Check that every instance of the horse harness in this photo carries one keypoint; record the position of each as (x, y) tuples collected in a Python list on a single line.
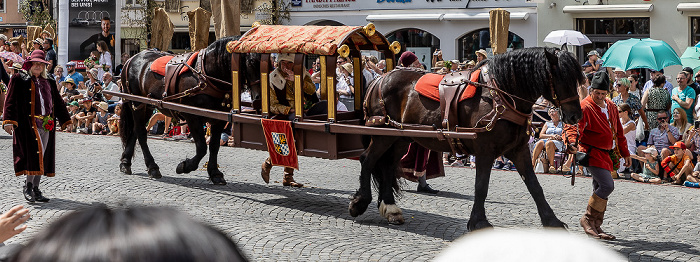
[(451, 88)]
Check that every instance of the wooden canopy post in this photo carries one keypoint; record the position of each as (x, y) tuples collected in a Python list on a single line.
[(299, 86), (264, 82), (330, 86), (357, 75), (324, 94), (235, 88)]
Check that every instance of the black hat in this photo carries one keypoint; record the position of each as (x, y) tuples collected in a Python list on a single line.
[(688, 69), (601, 81)]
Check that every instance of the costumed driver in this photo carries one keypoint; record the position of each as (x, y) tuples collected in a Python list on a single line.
[(281, 102), (598, 131), (32, 106)]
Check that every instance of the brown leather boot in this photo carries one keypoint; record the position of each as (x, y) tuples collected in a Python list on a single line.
[(288, 179), (588, 222), (265, 170), (600, 205)]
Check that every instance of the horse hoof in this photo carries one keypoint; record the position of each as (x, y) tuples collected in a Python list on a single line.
[(555, 223), (481, 224), (218, 180), (392, 213), (154, 173), (124, 168), (358, 206), (395, 219), (180, 168)]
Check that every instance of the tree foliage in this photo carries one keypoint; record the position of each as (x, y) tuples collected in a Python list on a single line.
[(37, 13)]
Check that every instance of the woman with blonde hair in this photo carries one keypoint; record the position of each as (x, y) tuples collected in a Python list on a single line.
[(105, 60), (681, 122)]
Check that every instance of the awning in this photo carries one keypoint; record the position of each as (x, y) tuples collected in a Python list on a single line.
[(406, 17), (688, 7), (482, 16), (631, 8), (13, 25)]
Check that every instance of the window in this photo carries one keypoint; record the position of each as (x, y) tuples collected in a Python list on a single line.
[(2, 6), (181, 41), (468, 44), (694, 30), (420, 42), (172, 6), (604, 32)]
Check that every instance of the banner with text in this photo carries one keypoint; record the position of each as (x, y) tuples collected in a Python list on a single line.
[(91, 21)]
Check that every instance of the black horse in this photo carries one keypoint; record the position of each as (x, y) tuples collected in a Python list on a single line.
[(526, 73), (140, 80)]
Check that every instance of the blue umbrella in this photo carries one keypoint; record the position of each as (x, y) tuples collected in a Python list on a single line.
[(640, 53), (698, 44)]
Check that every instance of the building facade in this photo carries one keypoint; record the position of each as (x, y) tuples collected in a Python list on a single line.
[(457, 27), (674, 21), (11, 22)]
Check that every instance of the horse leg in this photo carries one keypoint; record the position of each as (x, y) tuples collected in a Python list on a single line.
[(215, 175), (520, 158), (197, 132), (128, 136), (368, 160), (127, 155), (388, 184), (477, 219), (142, 135)]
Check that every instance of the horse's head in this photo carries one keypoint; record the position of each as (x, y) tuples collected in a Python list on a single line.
[(218, 64), (566, 77), (537, 71)]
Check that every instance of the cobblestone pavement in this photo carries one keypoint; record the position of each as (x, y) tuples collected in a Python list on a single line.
[(276, 223)]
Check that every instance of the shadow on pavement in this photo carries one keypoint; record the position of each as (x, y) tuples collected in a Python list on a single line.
[(320, 201), (61, 204), (632, 248)]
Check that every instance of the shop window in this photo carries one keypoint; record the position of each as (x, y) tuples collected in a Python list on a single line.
[(181, 41), (694, 30), (603, 32), (2, 6), (471, 42), (420, 42)]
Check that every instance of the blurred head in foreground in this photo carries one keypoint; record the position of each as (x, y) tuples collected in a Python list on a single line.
[(502, 245), (101, 233)]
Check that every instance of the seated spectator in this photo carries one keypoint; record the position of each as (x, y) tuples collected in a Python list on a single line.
[(84, 118), (681, 122), (73, 109), (94, 86), (68, 90), (134, 234), (650, 174), (113, 121), (629, 128), (692, 141), (99, 125), (58, 74), (110, 86), (550, 140), (661, 136), (158, 116), (677, 166)]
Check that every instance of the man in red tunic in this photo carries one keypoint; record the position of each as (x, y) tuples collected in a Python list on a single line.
[(599, 133)]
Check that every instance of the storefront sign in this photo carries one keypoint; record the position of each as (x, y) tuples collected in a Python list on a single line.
[(339, 5), (91, 21)]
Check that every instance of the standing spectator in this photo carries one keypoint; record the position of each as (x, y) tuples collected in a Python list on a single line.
[(437, 57), (316, 75), (629, 129), (635, 87), (37, 44), (34, 157), (625, 97), (481, 55), (691, 81), (600, 130), (105, 60), (683, 97), (679, 165), (50, 55), (619, 73), (654, 75), (77, 77), (594, 63), (346, 84), (655, 100), (118, 69), (661, 136)]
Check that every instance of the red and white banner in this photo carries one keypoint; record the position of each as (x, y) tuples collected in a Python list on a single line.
[(280, 143)]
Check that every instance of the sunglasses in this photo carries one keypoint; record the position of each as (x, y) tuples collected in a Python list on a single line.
[(661, 119)]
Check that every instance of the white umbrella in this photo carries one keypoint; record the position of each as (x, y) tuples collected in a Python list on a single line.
[(568, 37)]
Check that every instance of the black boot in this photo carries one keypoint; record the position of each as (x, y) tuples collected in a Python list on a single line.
[(29, 192), (38, 196), (427, 189)]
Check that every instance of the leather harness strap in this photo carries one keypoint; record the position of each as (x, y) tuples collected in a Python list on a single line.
[(204, 86)]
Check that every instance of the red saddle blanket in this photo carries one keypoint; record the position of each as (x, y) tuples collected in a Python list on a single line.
[(158, 66), (427, 86)]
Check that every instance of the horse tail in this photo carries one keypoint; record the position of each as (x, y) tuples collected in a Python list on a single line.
[(126, 123)]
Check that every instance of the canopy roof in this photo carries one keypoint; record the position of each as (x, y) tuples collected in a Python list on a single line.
[(317, 40)]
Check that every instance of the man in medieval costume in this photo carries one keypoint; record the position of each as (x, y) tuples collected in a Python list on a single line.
[(598, 131), (281, 105), (32, 107)]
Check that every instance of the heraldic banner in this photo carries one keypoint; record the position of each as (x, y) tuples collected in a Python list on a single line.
[(280, 143)]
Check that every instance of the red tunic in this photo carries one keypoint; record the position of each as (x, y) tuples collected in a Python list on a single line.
[(594, 130)]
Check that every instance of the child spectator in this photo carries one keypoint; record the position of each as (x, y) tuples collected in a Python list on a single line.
[(73, 110), (678, 166), (113, 121), (85, 116), (68, 90), (650, 174), (99, 126)]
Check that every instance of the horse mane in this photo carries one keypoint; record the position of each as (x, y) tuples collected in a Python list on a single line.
[(529, 72)]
